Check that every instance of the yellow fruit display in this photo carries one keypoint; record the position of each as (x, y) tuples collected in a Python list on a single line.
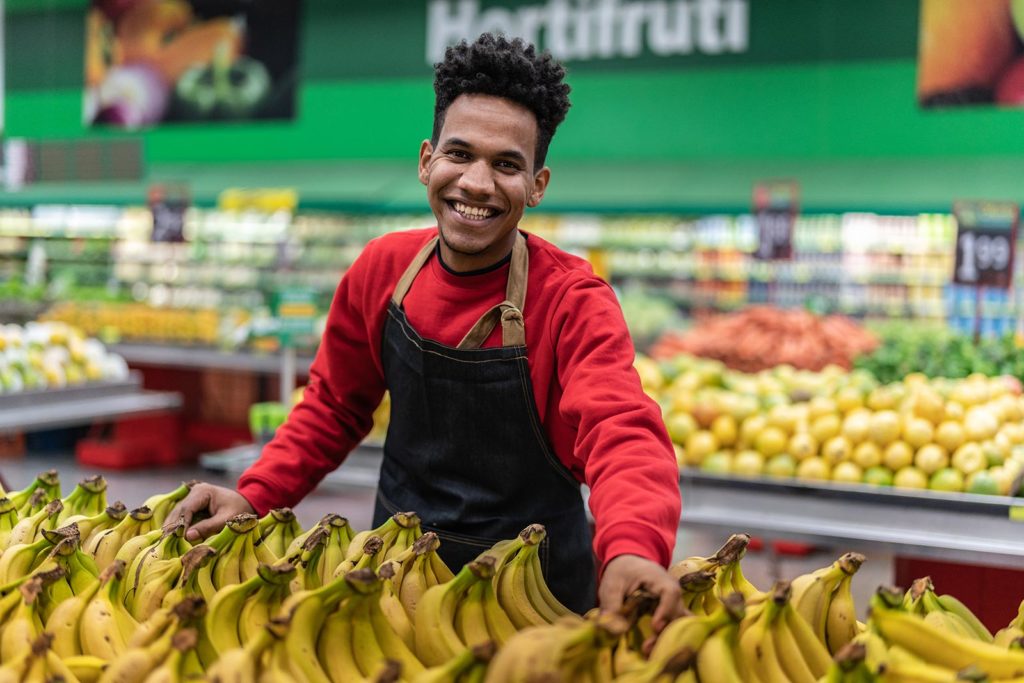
[(725, 430), (897, 455), (802, 446), (866, 455), (917, 432), (813, 468), (771, 441), (885, 427), (950, 435), (837, 449), (847, 473), (931, 458), (910, 478), (857, 426), (699, 445)]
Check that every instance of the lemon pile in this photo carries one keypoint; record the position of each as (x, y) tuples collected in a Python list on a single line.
[(941, 434)]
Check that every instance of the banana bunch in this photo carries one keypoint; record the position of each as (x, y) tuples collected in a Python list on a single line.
[(90, 525), (37, 663), (568, 650), (23, 608), (368, 558), (913, 642), (357, 641), (944, 611), (165, 654), (397, 534), (706, 580), (8, 520), (248, 663), (775, 641), (339, 528), (238, 613), (468, 667), (278, 528), (153, 571), (238, 555), (191, 582), (688, 635), (30, 528), (23, 558), (1014, 631), (104, 545), (628, 653), (519, 582), (320, 551), (45, 487), (79, 569), (437, 634), (823, 598), (161, 504), (416, 570), (88, 498)]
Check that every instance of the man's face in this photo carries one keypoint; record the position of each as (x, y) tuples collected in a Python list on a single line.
[(480, 178)]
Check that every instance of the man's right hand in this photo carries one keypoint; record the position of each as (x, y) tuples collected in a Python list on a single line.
[(222, 504)]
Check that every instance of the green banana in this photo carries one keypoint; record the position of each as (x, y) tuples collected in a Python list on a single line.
[(88, 498)]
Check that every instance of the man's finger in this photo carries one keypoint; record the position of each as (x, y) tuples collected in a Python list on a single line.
[(206, 527), (669, 605), (611, 595), (195, 500)]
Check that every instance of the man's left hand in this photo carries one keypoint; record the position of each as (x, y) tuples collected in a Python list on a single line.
[(627, 573)]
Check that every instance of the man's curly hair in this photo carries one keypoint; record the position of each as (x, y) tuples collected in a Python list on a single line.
[(512, 69)]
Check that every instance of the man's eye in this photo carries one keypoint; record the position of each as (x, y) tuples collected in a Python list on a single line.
[(509, 165), (458, 154)]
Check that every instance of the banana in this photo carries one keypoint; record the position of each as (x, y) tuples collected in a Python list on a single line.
[(19, 560), (514, 589), (8, 520), (470, 619), (689, 633), (953, 606), (46, 486), (1013, 631), (243, 664), (178, 664), (105, 626), (716, 659), (162, 504), (790, 656), (278, 528), (86, 669), (64, 622), (29, 528), (813, 592), (88, 498), (89, 525), (265, 604), (544, 601), (135, 664), (415, 581), (25, 624), (812, 649), (938, 646), (841, 617), (329, 522), (192, 581), (223, 617), (105, 545), (436, 637), (308, 559), (757, 646), (698, 591), (336, 646), (307, 612), (391, 606)]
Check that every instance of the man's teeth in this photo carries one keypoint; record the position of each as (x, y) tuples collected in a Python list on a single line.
[(472, 211)]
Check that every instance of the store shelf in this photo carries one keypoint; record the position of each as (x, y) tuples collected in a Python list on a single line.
[(953, 527), (48, 409), (169, 356)]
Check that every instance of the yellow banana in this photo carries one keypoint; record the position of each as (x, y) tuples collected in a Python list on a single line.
[(841, 617), (937, 646), (85, 668), (814, 652), (102, 630), (336, 646), (787, 650), (64, 622), (105, 545), (278, 528), (224, 614), (391, 605), (436, 637), (757, 648), (470, 620), (1013, 630), (953, 606), (8, 520), (812, 592), (25, 625), (689, 633), (698, 591), (243, 664), (46, 486), (307, 612), (265, 604), (30, 528), (161, 504), (460, 668), (135, 664), (716, 659), (88, 498)]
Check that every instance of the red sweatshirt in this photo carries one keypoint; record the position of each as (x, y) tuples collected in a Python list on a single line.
[(602, 426)]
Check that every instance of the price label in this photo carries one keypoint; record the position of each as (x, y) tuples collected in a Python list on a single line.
[(295, 310), (776, 205), (986, 239)]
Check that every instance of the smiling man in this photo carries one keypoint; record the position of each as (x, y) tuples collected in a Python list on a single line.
[(508, 362)]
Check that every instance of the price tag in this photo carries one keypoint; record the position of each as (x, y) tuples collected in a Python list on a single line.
[(168, 204), (295, 311), (986, 239), (776, 206)]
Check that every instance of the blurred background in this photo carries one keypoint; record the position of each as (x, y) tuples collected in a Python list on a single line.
[(808, 208)]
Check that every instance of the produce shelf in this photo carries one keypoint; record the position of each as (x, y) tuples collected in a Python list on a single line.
[(361, 469), (953, 527), (170, 356), (48, 409)]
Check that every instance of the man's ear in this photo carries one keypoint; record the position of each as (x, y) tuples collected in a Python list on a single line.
[(540, 185), (426, 151)]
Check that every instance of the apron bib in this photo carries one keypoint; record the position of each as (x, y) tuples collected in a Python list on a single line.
[(465, 449)]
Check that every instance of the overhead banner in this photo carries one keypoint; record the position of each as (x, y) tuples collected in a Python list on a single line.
[(971, 53), (153, 61)]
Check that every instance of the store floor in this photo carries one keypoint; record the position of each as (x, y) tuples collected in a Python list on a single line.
[(356, 503)]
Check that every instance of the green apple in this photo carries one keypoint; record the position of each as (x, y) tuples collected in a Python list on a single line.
[(1017, 8)]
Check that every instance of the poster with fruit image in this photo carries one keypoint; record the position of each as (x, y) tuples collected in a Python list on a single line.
[(971, 53), (148, 62)]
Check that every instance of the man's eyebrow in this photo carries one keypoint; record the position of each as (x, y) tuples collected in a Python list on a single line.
[(508, 153)]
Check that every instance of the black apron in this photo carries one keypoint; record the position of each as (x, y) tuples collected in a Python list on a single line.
[(465, 448)]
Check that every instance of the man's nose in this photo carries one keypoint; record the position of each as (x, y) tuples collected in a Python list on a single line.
[(477, 178)]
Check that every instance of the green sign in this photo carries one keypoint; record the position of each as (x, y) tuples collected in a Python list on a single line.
[(295, 311)]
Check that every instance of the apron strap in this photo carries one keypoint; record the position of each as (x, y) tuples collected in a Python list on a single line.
[(509, 312)]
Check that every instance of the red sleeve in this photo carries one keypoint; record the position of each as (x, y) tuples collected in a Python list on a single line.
[(628, 460), (345, 386)]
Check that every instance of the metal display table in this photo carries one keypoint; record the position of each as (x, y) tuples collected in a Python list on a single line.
[(953, 527), (360, 470), (51, 408), (169, 356)]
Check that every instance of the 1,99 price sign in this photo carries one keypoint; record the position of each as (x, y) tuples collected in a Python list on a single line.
[(776, 205), (986, 239)]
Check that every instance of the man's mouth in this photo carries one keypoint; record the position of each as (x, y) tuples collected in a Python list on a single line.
[(474, 213)]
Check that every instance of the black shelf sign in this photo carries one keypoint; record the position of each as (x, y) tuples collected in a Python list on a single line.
[(776, 206), (168, 204), (986, 238)]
